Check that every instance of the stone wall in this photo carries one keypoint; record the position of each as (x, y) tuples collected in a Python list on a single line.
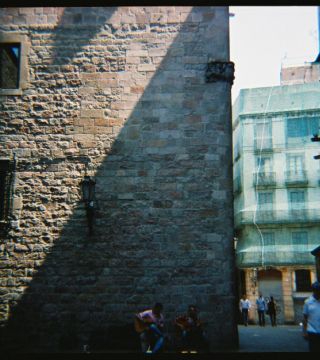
[(119, 94)]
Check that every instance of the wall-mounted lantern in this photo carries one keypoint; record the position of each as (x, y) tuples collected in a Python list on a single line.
[(88, 197), (235, 243)]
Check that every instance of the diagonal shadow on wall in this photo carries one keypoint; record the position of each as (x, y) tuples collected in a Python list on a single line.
[(89, 21), (155, 192)]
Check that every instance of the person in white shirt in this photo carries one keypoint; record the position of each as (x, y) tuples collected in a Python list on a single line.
[(152, 321), (245, 305), (311, 321)]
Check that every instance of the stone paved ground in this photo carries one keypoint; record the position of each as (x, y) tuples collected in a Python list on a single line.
[(271, 339), (253, 339)]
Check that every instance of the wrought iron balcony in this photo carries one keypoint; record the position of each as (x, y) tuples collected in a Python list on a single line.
[(277, 217), (263, 144), (264, 179), (293, 178), (277, 256)]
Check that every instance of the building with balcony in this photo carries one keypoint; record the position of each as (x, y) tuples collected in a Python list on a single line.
[(276, 189)]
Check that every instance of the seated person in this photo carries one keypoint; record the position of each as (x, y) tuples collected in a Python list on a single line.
[(191, 328), (150, 324)]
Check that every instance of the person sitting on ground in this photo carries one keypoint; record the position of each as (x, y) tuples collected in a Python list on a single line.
[(191, 328), (150, 324)]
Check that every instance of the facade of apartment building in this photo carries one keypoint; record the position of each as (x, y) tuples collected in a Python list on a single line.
[(277, 189), (116, 172)]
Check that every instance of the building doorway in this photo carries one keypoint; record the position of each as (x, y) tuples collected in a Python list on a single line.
[(270, 284)]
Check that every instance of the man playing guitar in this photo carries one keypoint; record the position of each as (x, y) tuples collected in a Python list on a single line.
[(149, 324), (191, 329)]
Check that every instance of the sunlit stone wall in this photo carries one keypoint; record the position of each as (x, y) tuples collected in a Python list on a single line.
[(119, 94)]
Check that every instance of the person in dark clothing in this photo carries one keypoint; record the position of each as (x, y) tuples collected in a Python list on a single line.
[(191, 327), (271, 311)]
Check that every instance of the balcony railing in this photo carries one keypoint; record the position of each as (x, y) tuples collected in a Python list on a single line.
[(277, 257), (264, 179), (263, 144), (277, 216), (296, 177)]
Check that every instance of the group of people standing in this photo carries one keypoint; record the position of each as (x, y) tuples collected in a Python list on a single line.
[(263, 307), (311, 315)]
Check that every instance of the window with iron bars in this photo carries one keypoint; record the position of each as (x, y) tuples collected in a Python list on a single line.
[(6, 181)]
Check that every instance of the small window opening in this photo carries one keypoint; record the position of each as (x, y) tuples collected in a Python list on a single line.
[(303, 280), (9, 65)]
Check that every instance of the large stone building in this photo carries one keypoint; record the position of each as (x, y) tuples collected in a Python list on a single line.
[(116, 171), (276, 185)]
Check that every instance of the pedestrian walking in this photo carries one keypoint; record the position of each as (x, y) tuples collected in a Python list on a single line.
[(311, 318), (261, 307), (244, 305), (271, 311)]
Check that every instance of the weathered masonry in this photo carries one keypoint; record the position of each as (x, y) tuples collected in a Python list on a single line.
[(128, 109)]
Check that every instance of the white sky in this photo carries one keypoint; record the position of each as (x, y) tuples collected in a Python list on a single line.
[(264, 37)]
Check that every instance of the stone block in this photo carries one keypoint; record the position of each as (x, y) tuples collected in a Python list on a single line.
[(84, 122), (52, 19), (20, 20), (123, 105), (142, 18), (109, 83), (26, 11), (173, 18), (17, 203), (6, 19), (21, 248), (133, 60), (83, 137), (158, 18), (115, 122), (146, 67), (103, 130), (136, 53), (101, 122), (92, 113)]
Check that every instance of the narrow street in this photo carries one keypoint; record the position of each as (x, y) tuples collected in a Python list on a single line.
[(282, 338)]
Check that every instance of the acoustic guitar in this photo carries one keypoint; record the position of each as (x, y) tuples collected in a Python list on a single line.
[(141, 325), (182, 322)]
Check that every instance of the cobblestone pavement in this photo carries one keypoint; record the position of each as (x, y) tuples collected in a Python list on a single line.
[(281, 338)]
